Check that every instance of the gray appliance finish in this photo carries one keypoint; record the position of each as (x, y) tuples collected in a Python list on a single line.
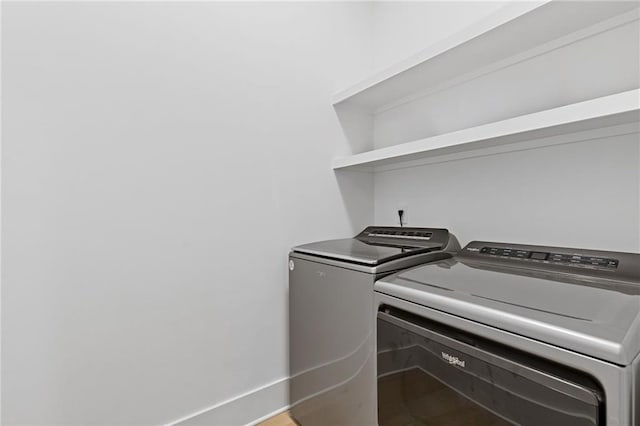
[(332, 318), (512, 334)]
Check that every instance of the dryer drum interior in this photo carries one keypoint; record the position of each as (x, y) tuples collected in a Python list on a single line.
[(432, 374)]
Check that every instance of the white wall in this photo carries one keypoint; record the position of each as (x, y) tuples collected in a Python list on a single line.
[(403, 28), (159, 160), (582, 194), (573, 73)]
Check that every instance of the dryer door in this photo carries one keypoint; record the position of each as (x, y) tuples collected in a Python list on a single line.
[(430, 374)]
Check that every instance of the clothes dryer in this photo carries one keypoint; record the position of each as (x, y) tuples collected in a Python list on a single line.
[(504, 334)]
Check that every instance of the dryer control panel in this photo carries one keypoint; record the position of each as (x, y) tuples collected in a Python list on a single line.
[(551, 257), (595, 263)]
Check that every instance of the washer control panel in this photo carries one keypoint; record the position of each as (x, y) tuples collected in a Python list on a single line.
[(404, 236), (411, 235), (582, 260)]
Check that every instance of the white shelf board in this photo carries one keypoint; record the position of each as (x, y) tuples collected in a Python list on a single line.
[(545, 126), (518, 31)]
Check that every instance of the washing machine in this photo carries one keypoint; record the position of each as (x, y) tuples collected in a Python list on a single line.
[(332, 318), (505, 334)]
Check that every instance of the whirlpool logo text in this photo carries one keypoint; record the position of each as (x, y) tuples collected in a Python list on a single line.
[(453, 360)]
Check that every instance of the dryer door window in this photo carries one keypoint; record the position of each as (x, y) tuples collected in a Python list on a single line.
[(430, 376)]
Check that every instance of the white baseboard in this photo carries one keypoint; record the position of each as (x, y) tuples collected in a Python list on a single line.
[(248, 408)]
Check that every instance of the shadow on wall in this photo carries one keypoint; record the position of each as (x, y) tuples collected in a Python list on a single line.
[(356, 190), (357, 126), (356, 187)]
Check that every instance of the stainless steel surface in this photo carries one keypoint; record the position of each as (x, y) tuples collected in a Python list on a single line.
[(594, 316), (626, 271), (635, 374), (376, 245), (574, 390), (577, 308), (616, 381), (331, 335), (352, 250), (331, 321), (469, 381), (382, 269)]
